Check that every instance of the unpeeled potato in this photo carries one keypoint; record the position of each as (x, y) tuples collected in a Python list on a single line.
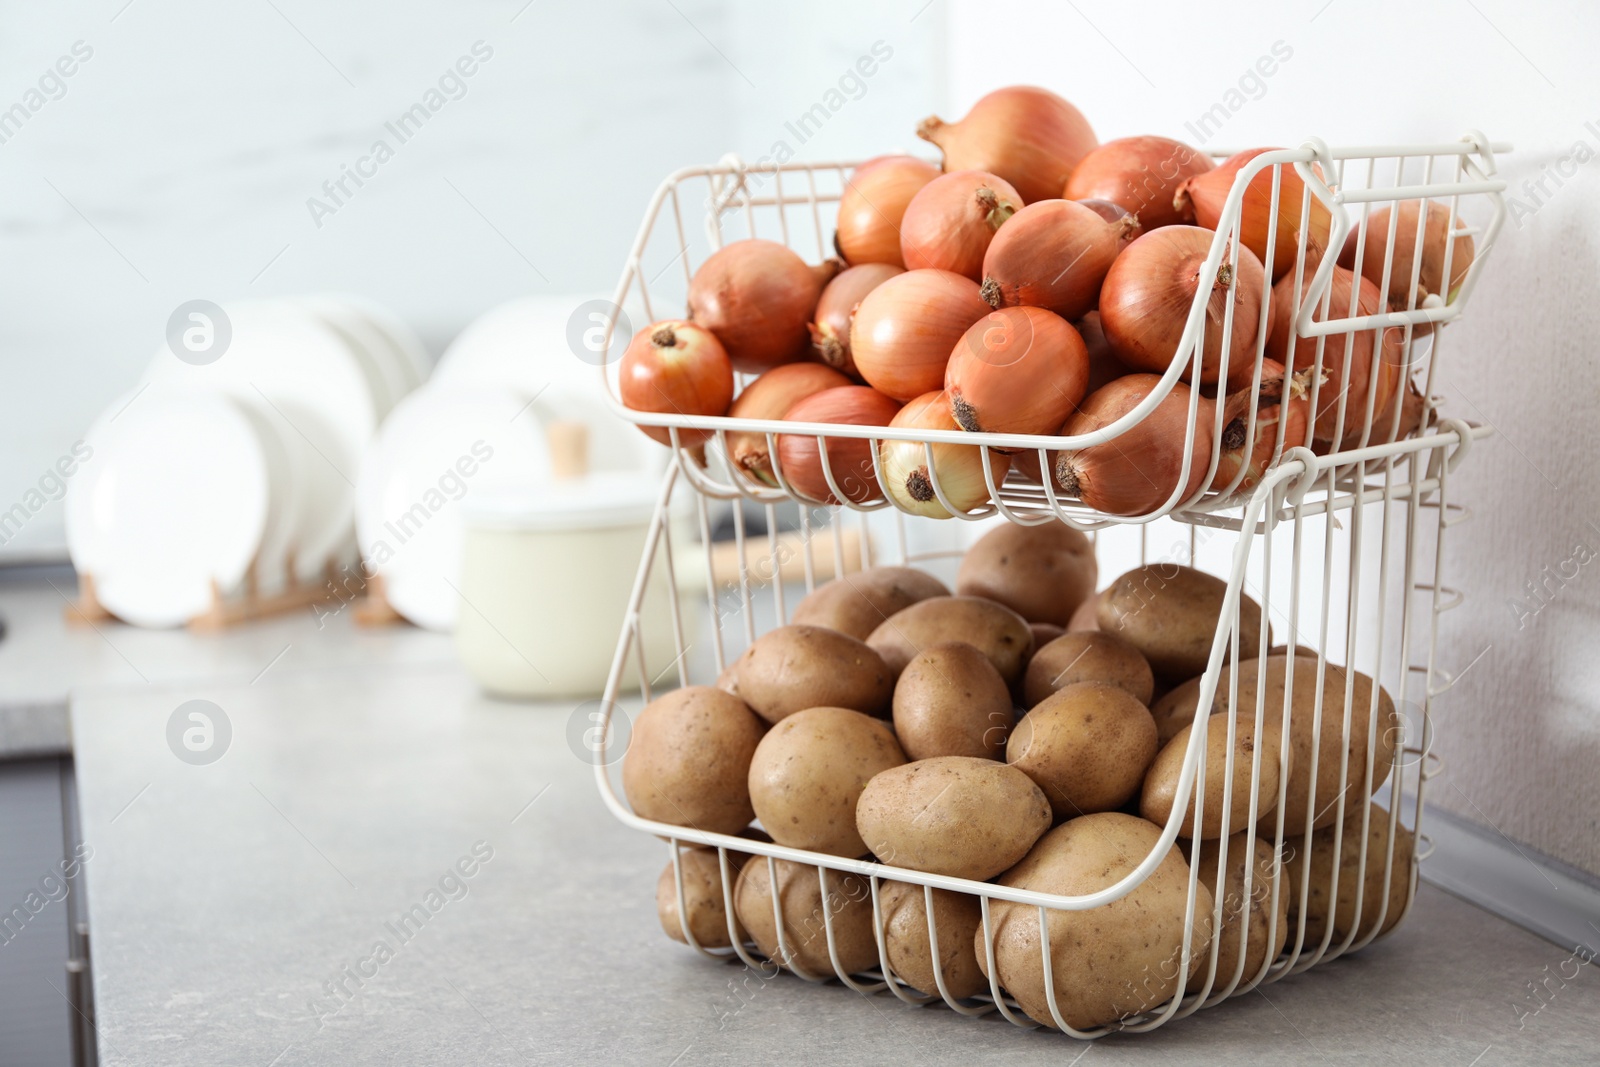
[(1087, 746), (950, 701), (1160, 794), (992, 628), (796, 667), (688, 761), (1170, 613), (1087, 656), (857, 604), (702, 897), (1041, 572), (956, 919), (806, 919), (1245, 921), (1378, 897)]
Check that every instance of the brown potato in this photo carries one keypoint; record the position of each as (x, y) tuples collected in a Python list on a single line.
[(1107, 962), (808, 773), (950, 701), (1087, 657), (1044, 633), (805, 920), (955, 815), (1242, 925), (1087, 617), (1087, 746), (1175, 709), (728, 680), (702, 897), (797, 667), (993, 629), (1160, 793), (1376, 898), (857, 604), (1170, 613), (688, 762), (956, 919), (1041, 572)]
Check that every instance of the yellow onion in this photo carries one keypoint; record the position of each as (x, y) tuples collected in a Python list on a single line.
[(1430, 276), (758, 298), (958, 468), (1030, 137), (770, 397), (1135, 473), (1204, 194), (676, 367), (871, 205), (1140, 174), (849, 458), (1253, 446), (1016, 370)]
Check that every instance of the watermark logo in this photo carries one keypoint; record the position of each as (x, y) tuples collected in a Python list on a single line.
[(199, 732), (586, 332), (1251, 85), (596, 738), (199, 332)]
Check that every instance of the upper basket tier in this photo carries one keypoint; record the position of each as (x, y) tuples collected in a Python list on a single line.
[(1356, 377)]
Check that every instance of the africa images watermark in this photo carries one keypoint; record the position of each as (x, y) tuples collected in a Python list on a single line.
[(50, 86), (1556, 174), (1251, 85), (52, 888), (1539, 593), (52, 485), (451, 85)]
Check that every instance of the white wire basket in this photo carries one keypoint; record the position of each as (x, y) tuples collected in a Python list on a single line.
[(1343, 552)]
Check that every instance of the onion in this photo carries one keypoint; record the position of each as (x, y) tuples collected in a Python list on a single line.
[(1053, 254), (830, 333), (1366, 384), (1430, 276), (850, 459), (757, 297), (1030, 137), (1205, 194), (904, 330), (1149, 290), (958, 469), (1016, 370), (1115, 214), (949, 224), (1385, 427), (1104, 366), (1136, 473), (770, 397), (871, 205), (679, 367), (1254, 447), (1142, 175)]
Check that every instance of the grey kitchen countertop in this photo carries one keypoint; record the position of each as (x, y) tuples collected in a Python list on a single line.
[(230, 902)]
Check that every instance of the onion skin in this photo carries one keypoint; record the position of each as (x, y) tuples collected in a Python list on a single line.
[(1253, 447), (949, 224), (1149, 290), (872, 204), (1115, 214), (1142, 175), (1430, 276), (1136, 473), (958, 468), (1016, 370), (1053, 254), (830, 332), (905, 329), (850, 459), (770, 397), (1367, 383), (1104, 366), (1029, 136), (758, 297), (676, 366), (1205, 194)]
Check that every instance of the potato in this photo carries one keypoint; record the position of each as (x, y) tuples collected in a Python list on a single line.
[(805, 921), (1041, 572), (1087, 617), (1087, 746), (993, 629), (797, 667), (1239, 921), (950, 701), (1044, 633), (1175, 709), (857, 604), (956, 918), (1107, 962), (1170, 613), (702, 897), (1160, 793), (728, 680), (955, 815), (1373, 894), (808, 773), (1087, 657), (688, 762)]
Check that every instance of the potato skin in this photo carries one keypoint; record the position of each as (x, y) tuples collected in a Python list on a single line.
[(702, 897), (1107, 962), (1237, 912), (950, 701), (1087, 746), (1175, 709), (1087, 657), (1350, 870), (956, 916), (1170, 614), (808, 772), (800, 902), (688, 761), (1041, 572), (1160, 793), (1087, 617), (994, 629), (857, 604), (954, 815), (796, 667)]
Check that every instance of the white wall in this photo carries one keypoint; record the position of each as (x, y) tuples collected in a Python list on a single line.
[(1520, 734), (192, 137)]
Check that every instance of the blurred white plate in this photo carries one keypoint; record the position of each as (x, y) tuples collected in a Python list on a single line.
[(438, 447)]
